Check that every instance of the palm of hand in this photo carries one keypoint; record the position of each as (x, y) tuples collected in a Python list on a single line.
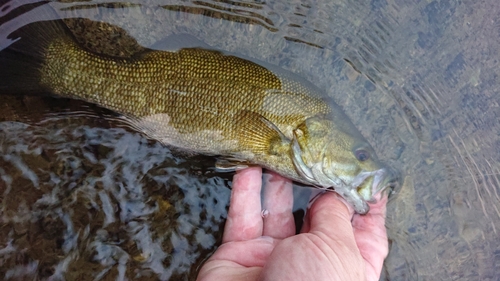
[(331, 246)]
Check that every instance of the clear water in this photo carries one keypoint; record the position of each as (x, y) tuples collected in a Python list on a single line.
[(81, 194)]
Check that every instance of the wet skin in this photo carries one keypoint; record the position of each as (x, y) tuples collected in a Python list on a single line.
[(334, 244)]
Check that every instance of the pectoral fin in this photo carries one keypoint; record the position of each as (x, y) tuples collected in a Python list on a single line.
[(258, 135)]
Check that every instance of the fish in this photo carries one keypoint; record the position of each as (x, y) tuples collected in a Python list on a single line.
[(207, 102)]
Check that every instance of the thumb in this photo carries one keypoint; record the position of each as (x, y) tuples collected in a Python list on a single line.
[(329, 218), (332, 216)]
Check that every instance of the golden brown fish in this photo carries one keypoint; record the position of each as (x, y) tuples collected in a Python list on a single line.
[(206, 102)]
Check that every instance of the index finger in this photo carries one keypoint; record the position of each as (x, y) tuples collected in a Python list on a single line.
[(244, 220), (278, 201)]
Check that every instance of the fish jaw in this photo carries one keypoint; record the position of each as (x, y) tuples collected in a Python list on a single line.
[(358, 193), (314, 175), (354, 199), (387, 181), (369, 184), (374, 177)]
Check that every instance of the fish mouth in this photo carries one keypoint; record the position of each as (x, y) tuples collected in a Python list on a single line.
[(315, 175), (370, 184), (363, 189)]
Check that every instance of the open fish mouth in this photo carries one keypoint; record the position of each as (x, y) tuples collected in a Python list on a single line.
[(369, 184), (366, 186), (358, 193)]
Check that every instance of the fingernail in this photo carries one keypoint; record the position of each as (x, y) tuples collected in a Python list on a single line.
[(264, 213), (268, 239)]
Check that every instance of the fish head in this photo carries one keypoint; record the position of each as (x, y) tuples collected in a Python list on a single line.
[(336, 157)]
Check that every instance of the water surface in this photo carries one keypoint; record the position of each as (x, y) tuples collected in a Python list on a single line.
[(418, 78)]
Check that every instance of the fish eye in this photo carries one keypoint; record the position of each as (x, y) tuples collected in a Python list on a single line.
[(362, 155)]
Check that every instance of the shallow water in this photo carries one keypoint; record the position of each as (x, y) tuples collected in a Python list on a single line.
[(418, 78), (85, 198)]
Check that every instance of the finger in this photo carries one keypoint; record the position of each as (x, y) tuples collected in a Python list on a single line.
[(246, 253), (371, 237), (278, 203), (227, 271), (244, 220), (331, 216), (315, 193)]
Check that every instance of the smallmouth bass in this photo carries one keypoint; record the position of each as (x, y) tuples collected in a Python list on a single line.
[(203, 101)]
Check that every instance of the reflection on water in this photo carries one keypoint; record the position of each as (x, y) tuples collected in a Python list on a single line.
[(82, 201), (417, 77)]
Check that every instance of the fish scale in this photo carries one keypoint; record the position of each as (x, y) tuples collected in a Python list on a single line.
[(147, 85), (203, 101)]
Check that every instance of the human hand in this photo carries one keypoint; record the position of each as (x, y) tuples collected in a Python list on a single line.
[(334, 244)]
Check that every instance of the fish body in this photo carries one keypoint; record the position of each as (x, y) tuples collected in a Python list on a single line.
[(204, 101)]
